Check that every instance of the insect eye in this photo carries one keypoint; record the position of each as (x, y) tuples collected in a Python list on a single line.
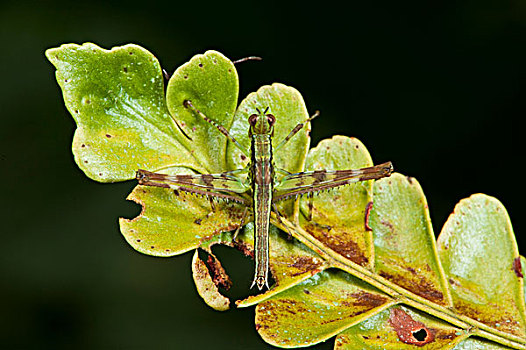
[(252, 119), (271, 119)]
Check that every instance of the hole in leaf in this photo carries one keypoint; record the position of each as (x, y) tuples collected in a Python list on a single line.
[(420, 335), (200, 65)]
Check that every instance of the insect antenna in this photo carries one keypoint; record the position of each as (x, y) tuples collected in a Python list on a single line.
[(249, 58)]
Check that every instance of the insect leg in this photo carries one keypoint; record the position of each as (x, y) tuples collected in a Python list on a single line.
[(278, 216), (221, 128), (310, 206), (295, 131)]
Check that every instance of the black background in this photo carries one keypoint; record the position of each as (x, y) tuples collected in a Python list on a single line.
[(437, 87)]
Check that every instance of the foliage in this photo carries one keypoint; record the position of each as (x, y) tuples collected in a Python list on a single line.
[(365, 268)]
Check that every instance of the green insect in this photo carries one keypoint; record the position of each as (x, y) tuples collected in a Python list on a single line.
[(262, 189)]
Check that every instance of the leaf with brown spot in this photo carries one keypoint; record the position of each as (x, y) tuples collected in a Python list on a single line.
[(317, 309), (405, 247), (400, 328), (338, 216), (291, 262), (478, 252), (206, 287)]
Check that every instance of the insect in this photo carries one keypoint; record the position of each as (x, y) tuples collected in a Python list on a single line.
[(263, 188)]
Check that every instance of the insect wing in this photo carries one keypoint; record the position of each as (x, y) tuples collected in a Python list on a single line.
[(216, 185), (319, 180)]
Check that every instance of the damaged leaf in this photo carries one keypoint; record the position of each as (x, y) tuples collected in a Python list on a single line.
[(206, 286)]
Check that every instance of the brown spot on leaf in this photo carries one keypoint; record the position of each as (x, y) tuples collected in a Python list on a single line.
[(368, 300), (416, 284), (517, 267), (368, 208), (304, 264), (389, 225), (340, 242), (490, 314), (218, 273), (244, 248), (408, 330)]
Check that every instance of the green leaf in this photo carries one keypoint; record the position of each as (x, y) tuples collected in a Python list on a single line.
[(478, 251), (317, 309), (404, 241), (287, 105), (117, 100), (210, 82), (171, 223), (338, 217)]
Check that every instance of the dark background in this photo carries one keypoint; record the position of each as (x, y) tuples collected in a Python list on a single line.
[(437, 87)]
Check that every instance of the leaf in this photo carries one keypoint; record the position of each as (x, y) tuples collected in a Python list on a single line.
[(171, 224), (338, 216), (287, 105), (317, 309), (401, 328), (206, 287), (478, 251), (404, 241), (210, 82), (117, 100)]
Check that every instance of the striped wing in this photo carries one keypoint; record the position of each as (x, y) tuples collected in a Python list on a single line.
[(319, 180), (216, 185)]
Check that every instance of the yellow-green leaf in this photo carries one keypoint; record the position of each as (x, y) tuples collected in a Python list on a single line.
[(478, 252), (405, 248), (117, 100)]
